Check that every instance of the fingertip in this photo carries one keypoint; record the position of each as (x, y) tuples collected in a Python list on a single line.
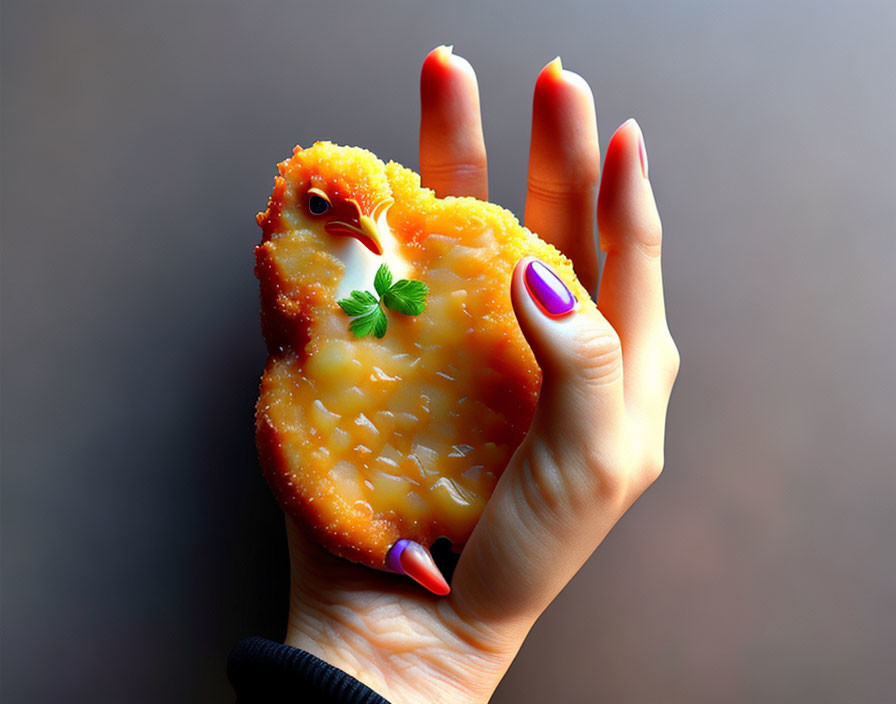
[(562, 90), (448, 84), (438, 57), (538, 283), (629, 124), (565, 146), (442, 65), (626, 143), (519, 296), (546, 310), (445, 49), (547, 289), (524, 307), (414, 560), (552, 71), (553, 77)]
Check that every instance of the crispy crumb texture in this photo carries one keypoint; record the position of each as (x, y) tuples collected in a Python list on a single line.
[(371, 440)]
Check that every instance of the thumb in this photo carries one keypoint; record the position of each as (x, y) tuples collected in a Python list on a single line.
[(580, 356), (573, 343), (557, 497)]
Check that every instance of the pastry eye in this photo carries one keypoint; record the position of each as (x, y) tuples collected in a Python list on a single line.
[(318, 203)]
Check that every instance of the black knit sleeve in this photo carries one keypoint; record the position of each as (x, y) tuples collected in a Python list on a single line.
[(261, 670)]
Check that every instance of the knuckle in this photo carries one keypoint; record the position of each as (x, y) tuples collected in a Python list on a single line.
[(650, 247), (648, 235), (653, 467), (642, 235), (598, 355), (544, 488), (611, 471), (671, 356), (611, 476), (558, 190), (616, 477), (462, 167), (556, 480)]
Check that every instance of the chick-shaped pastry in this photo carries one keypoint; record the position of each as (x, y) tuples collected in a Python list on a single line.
[(383, 423)]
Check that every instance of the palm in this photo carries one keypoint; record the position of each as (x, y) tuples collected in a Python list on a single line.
[(385, 618)]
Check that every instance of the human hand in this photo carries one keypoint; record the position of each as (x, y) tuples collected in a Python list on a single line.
[(596, 440)]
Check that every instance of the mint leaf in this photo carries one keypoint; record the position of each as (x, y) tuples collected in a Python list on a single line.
[(352, 307), (407, 297), (379, 323), (383, 279), (404, 296), (359, 303), (365, 297), (373, 321)]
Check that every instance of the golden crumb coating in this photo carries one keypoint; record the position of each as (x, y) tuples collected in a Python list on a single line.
[(371, 440)]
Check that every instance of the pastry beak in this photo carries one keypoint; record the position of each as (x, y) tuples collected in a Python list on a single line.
[(370, 234), (366, 231)]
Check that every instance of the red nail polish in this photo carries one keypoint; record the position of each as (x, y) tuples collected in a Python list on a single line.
[(411, 558), (642, 153)]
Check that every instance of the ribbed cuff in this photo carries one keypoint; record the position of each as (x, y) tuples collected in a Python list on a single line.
[(261, 670)]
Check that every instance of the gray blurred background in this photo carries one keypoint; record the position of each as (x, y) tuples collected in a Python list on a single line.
[(139, 541)]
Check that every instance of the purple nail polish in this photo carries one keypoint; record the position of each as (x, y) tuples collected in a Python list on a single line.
[(393, 559), (548, 290)]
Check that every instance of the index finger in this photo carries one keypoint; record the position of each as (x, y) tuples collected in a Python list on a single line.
[(452, 147)]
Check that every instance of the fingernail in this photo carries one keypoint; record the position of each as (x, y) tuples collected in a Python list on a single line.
[(442, 53), (555, 66), (411, 558), (642, 151), (547, 290)]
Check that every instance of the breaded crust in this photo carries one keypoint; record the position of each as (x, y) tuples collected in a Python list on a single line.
[(368, 440)]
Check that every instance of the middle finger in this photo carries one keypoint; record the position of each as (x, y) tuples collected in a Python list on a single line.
[(564, 168)]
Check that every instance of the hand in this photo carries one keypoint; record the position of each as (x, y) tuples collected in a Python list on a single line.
[(596, 441)]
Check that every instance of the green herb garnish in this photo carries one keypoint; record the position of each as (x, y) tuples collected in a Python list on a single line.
[(404, 296)]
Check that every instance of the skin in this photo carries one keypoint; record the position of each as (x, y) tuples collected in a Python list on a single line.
[(596, 441)]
